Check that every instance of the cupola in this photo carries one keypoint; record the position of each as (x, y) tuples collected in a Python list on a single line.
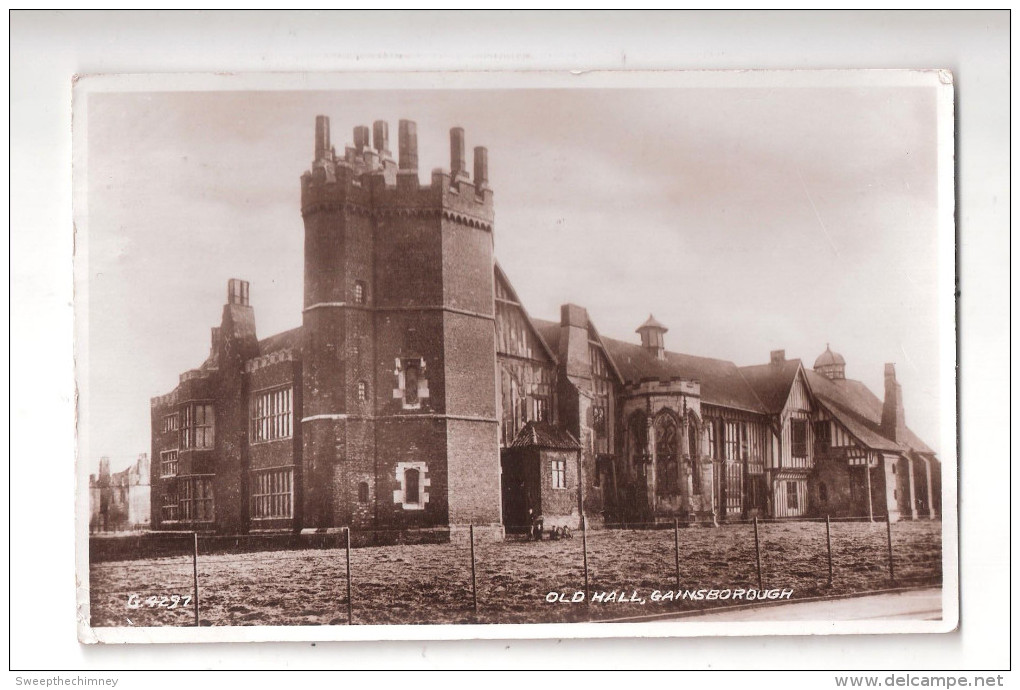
[(652, 337), (831, 364)]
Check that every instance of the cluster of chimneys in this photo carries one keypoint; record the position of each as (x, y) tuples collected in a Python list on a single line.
[(407, 147)]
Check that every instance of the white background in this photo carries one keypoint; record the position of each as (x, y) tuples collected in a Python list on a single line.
[(47, 49)]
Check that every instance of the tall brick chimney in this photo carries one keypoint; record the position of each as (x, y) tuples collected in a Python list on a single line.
[(407, 143), (893, 424), (574, 353), (458, 164), (361, 137), (481, 167), (322, 145)]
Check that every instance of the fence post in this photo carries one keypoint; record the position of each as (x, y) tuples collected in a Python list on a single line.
[(350, 608), (757, 554), (828, 545), (584, 550), (676, 549), (888, 537), (474, 583), (194, 570)]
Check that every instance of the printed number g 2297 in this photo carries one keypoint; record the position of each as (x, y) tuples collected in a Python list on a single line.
[(161, 601)]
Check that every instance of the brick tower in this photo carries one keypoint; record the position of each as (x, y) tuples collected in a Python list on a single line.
[(399, 414)]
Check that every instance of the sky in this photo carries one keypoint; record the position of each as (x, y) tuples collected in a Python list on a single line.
[(744, 219)]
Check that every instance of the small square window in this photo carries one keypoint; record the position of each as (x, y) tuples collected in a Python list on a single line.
[(559, 474), (792, 497)]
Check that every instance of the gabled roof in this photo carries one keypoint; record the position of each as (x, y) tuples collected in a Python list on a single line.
[(544, 435), (281, 341), (549, 350), (550, 332), (772, 382), (860, 411)]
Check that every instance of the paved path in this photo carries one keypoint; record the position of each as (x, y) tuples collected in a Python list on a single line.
[(920, 604)]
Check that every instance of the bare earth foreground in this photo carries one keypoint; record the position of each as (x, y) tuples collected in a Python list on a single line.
[(432, 583)]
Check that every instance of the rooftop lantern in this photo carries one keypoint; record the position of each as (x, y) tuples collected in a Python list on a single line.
[(831, 364), (652, 337)]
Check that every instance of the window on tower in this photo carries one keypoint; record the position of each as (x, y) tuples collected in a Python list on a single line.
[(411, 384)]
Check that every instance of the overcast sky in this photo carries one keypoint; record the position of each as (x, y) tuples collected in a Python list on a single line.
[(746, 220)]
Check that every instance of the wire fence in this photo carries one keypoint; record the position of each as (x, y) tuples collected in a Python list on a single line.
[(589, 574)]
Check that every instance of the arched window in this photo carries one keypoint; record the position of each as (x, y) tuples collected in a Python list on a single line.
[(412, 494), (692, 450), (666, 445), (363, 492), (637, 438)]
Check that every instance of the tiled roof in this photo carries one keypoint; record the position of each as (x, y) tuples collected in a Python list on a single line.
[(771, 382), (760, 388), (550, 332), (721, 382), (281, 341), (860, 410), (544, 435)]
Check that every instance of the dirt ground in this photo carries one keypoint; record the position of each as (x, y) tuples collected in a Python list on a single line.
[(432, 583)]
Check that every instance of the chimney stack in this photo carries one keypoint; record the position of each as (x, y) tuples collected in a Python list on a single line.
[(322, 145), (361, 138), (481, 167), (575, 354), (893, 424), (237, 292), (381, 136), (408, 143), (457, 162), (777, 356)]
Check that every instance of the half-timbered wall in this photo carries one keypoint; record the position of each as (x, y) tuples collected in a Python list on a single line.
[(795, 444), (604, 402), (739, 443), (526, 372)]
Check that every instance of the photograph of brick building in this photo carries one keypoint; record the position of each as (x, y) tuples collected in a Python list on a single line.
[(418, 392)]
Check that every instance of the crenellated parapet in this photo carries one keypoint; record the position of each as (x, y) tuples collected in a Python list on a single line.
[(164, 400), (194, 374), (367, 180), (264, 361), (666, 386)]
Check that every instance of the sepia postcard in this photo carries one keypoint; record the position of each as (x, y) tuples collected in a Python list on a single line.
[(509, 355)]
